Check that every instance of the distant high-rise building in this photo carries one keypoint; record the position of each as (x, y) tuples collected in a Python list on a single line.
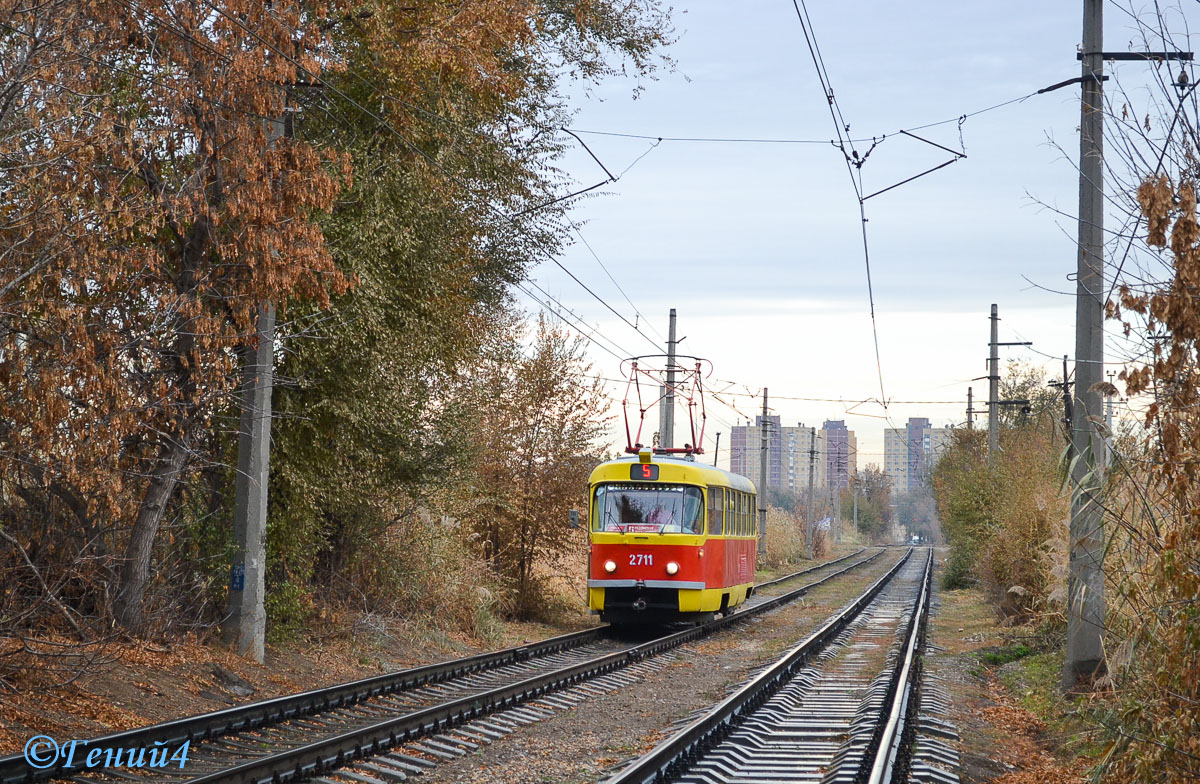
[(789, 453), (911, 452), (745, 450), (839, 454)]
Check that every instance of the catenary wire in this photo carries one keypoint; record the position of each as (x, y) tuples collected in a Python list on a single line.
[(836, 115)]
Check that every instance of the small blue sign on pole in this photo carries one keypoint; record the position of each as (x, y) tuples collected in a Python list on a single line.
[(237, 580)]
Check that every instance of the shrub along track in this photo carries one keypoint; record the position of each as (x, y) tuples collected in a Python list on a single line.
[(322, 729)]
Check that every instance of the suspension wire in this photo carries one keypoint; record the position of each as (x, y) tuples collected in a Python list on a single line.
[(579, 319), (853, 161)]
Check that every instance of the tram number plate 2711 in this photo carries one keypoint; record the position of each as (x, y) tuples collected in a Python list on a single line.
[(641, 559)]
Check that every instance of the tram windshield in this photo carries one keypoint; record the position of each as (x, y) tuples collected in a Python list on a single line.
[(659, 509)]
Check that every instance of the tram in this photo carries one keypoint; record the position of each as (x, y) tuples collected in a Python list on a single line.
[(671, 539)]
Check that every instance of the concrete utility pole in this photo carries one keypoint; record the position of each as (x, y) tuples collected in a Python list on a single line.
[(994, 389), (808, 520), (970, 408), (1085, 583), (762, 482), (666, 420), (245, 623)]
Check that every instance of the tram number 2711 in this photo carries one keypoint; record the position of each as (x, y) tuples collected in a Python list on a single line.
[(641, 559)]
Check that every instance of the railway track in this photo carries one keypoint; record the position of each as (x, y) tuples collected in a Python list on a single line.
[(300, 736), (824, 712)]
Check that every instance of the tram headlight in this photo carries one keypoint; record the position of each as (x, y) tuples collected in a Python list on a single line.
[(610, 566), (672, 568)]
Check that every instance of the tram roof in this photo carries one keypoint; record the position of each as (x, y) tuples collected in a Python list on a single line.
[(695, 471)]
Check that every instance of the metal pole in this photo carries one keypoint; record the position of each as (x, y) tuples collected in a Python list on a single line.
[(666, 436), (856, 507), (1068, 414), (970, 408), (762, 482), (812, 461), (717, 449), (994, 390), (1108, 422), (1085, 584), (837, 511)]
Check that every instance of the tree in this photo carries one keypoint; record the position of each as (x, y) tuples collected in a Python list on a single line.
[(148, 215), (446, 111), (539, 418), (874, 503)]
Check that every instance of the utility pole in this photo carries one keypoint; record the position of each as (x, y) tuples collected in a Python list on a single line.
[(666, 419), (1085, 583), (993, 377), (808, 522), (856, 507), (1108, 420), (970, 408), (837, 511), (994, 389), (762, 482), (1066, 385), (245, 623)]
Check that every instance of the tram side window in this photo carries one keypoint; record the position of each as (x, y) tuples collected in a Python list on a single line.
[(741, 502), (716, 510)]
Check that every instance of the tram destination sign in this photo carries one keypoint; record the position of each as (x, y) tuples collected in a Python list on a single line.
[(643, 472)]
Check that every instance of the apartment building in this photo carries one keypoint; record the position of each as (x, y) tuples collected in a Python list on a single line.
[(911, 452)]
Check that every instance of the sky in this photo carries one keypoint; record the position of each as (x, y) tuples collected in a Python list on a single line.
[(759, 247)]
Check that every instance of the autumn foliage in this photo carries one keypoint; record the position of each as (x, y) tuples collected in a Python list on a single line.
[(1156, 513), (152, 200), (379, 172)]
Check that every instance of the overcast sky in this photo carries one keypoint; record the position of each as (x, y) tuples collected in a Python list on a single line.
[(758, 246)]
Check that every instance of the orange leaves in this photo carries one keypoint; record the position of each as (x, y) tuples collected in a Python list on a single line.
[(1158, 685), (149, 214), (1156, 199)]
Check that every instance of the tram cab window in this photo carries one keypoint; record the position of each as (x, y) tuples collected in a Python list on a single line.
[(658, 508), (716, 510)]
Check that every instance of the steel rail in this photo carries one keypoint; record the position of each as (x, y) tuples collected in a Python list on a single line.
[(324, 756), (15, 770), (794, 575), (888, 753), (670, 757)]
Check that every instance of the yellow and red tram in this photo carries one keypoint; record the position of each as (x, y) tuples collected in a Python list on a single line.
[(671, 539)]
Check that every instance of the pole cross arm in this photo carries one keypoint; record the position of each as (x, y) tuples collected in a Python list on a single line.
[(1127, 56)]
